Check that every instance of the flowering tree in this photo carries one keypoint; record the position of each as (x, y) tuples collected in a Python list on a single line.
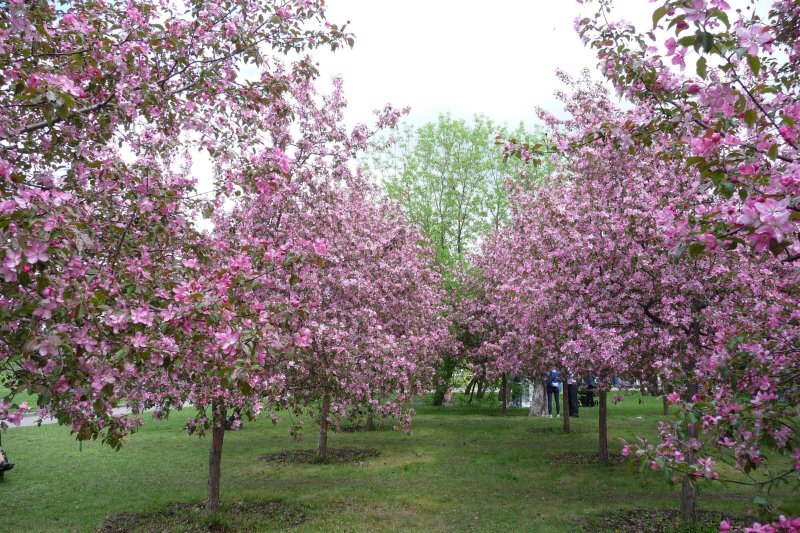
[(374, 323), (733, 125), (598, 285), (736, 120), (106, 284)]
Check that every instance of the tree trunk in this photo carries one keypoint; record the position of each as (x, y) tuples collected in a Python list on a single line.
[(322, 444), (370, 420), (471, 386), (688, 488), (215, 457), (565, 407), (666, 405), (504, 394), (538, 398), (603, 422), (444, 373)]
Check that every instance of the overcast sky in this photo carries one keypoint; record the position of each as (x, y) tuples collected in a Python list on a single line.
[(461, 56)]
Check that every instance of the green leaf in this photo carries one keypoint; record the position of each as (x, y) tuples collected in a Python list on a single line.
[(658, 14), (750, 117), (696, 248), (726, 188), (754, 63), (706, 40), (773, 152), (721, 15), (702, 67), (776, 248)]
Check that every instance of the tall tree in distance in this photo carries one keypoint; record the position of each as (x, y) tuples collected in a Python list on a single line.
[(452, 180)]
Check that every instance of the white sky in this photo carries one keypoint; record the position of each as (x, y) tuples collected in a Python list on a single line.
[(466, 56), (461, 56)]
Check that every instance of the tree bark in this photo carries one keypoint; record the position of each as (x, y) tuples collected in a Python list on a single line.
[(322, 444), (603, 423), (666, 405), (538, 398), (504, 394), (688, 488), (565, 407), (370, 420), (215, 457)]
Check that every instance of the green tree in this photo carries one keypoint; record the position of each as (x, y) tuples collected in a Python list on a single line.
[(452, 180)]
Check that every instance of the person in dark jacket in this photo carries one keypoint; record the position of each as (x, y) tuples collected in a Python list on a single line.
[(553, 390)]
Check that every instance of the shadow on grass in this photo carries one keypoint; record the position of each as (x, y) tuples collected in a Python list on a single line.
[(589, 458), (661, 521), (237, 516)]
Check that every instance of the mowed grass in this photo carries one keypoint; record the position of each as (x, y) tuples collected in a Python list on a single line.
[(20, 397), (462, 469)]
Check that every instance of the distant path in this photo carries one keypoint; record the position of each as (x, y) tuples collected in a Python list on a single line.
[(32, 420)]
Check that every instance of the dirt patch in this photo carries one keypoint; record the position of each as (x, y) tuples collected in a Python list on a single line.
[(556, 429), (335, 456), (589, 458), (234, 517), (661, 521), (359, 428)]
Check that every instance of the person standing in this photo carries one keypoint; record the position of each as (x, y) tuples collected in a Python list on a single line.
[(591, 387), (553, 389)]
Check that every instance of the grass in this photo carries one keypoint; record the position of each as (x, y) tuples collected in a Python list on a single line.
[(463, 469), (20, 397)]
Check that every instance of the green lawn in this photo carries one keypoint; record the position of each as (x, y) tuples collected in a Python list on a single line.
[(462, 469), (20, 397)]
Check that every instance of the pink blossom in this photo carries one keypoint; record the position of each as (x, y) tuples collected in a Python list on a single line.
[(36, 252), (142, 315), (753, 37), (282, 160), (12, 259), (139, 340)]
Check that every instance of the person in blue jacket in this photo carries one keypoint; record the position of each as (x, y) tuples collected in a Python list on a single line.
[(553, 390)]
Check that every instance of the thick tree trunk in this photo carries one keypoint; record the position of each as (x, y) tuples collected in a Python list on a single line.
[(688, 488), (538, 398), (504, 394), (603, 423), (565, 407), (688, 499), (215, 458), (322, 444)]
